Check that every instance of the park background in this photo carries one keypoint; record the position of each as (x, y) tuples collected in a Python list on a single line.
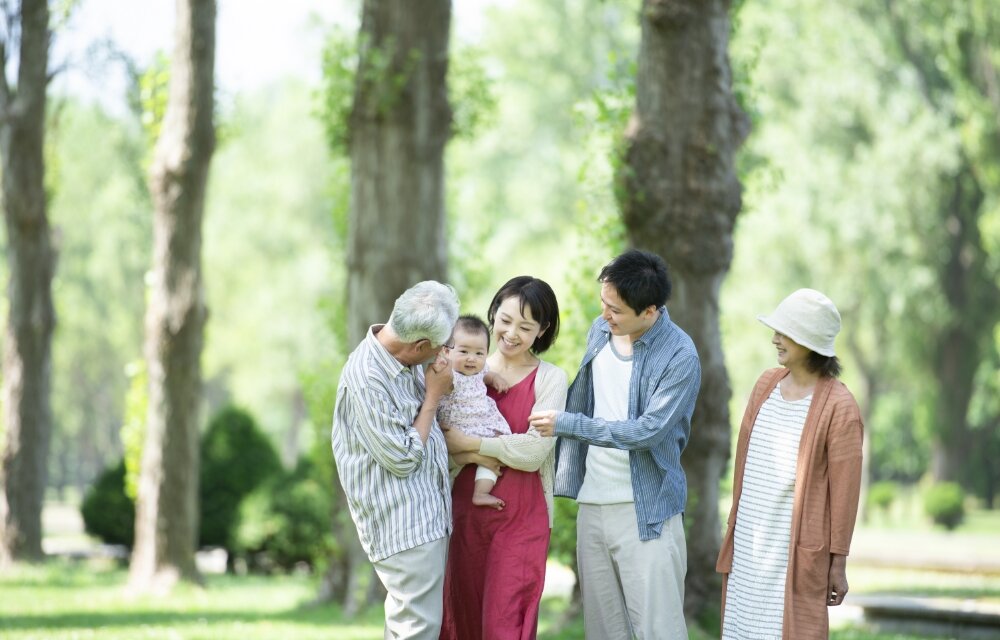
[(871, 172)]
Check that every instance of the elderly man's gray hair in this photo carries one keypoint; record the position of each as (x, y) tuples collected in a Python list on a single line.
[(428, 310)]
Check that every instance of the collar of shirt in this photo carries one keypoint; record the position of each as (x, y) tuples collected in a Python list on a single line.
[(383, 358), (659, 327)]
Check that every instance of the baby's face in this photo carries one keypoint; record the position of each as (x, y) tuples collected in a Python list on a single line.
[(469, 355)]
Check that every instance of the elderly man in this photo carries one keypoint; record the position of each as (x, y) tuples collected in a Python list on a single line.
[(391, 455)]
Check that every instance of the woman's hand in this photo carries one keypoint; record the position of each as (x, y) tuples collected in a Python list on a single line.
[(836, 587), (474, 458), (458, 442)]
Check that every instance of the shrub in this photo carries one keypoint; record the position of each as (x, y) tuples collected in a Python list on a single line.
[(107, 512), (236, 458), (286, 521), (945, 504), (882, 494)]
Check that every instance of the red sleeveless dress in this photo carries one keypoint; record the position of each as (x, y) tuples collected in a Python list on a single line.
[(496, 559)]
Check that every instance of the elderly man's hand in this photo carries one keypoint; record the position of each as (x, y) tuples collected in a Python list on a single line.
[(544, 422), (437, 378)]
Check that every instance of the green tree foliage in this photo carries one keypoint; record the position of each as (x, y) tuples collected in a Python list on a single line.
[(287, 521), (270, 265), (945, 504), (854, 178), (100, 209), (882, 494), (134, 424), (108, 513), (523, 196), (236, 458)]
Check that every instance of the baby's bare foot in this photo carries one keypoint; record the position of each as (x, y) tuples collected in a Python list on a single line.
[(487, 500)]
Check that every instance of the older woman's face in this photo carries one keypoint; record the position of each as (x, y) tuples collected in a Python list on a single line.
[(791, 354), (513, 331)]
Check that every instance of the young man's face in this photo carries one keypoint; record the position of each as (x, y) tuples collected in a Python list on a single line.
[(621, 318)]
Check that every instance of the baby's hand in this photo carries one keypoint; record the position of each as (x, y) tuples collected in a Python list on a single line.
[(496, 381)]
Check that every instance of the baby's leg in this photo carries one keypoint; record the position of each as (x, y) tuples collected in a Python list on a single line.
[(481, 496)]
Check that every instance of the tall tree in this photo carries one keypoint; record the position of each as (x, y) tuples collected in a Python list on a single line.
[(956, 60), (166, 507), (398, 126), (680, 195), (27, 362)]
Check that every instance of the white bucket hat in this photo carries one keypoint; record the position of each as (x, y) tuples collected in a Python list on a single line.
[(809, 318)]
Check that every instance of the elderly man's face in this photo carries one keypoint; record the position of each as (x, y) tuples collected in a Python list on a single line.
[(423, 352)]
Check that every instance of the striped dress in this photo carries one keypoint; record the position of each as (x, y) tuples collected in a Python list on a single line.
[(756, 593)]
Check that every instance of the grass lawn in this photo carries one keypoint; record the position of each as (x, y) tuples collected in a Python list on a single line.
[(76, 600), (64, 600)]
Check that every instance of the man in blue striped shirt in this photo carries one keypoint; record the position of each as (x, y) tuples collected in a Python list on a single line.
[(627, 420), (391, 455)]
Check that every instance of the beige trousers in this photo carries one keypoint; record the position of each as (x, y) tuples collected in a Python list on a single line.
[(631, 588), (414, 580)]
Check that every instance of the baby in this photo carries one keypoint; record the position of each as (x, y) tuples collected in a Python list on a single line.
[(468, 408)]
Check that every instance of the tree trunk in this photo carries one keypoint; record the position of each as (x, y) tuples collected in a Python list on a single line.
[(971, 293), (680, 195), (167, 503), (400, 123), (27, 360)]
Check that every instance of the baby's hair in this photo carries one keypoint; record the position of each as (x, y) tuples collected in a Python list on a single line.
[(473, 324)]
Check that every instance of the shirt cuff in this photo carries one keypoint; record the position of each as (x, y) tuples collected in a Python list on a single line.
[(565, 422)]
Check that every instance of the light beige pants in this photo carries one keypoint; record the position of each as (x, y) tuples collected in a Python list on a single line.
[(414, 580), (631, 588)]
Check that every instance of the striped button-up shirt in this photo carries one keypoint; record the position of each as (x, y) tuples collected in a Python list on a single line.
[(397, 486), (666, 376)]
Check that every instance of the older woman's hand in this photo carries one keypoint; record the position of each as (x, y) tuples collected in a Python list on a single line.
[(837, 583), (544, 422)]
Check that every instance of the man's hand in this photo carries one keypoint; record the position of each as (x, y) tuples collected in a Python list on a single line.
[(837, 582), (544, 422), (437, 378)]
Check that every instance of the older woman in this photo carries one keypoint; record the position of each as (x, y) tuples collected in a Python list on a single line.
[(796, 484), (496, 559)]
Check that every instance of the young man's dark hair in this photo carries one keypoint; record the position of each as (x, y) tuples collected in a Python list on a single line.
[(473, 324), (640, 278)]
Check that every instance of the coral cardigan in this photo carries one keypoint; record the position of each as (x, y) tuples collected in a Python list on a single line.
[(827, 486)]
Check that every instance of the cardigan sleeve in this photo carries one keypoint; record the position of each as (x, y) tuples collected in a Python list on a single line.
[(527, 451), (844, 445)]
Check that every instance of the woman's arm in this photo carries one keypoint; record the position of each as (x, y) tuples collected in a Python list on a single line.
[(527, 451)]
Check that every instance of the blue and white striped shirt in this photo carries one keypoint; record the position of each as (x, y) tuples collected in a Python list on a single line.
[(666, 377), (397, 486)]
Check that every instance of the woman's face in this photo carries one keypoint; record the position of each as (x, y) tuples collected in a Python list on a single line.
[(791, 354), (514, 333)]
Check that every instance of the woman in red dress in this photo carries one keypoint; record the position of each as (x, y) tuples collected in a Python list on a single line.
[(496, 559)]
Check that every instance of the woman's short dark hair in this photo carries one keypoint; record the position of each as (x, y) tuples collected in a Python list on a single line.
[(539, 297), (473, 324), (640, 278), (825, 366)]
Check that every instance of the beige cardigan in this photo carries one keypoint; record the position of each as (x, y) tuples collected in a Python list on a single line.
[(531, 451), (827, 486)]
